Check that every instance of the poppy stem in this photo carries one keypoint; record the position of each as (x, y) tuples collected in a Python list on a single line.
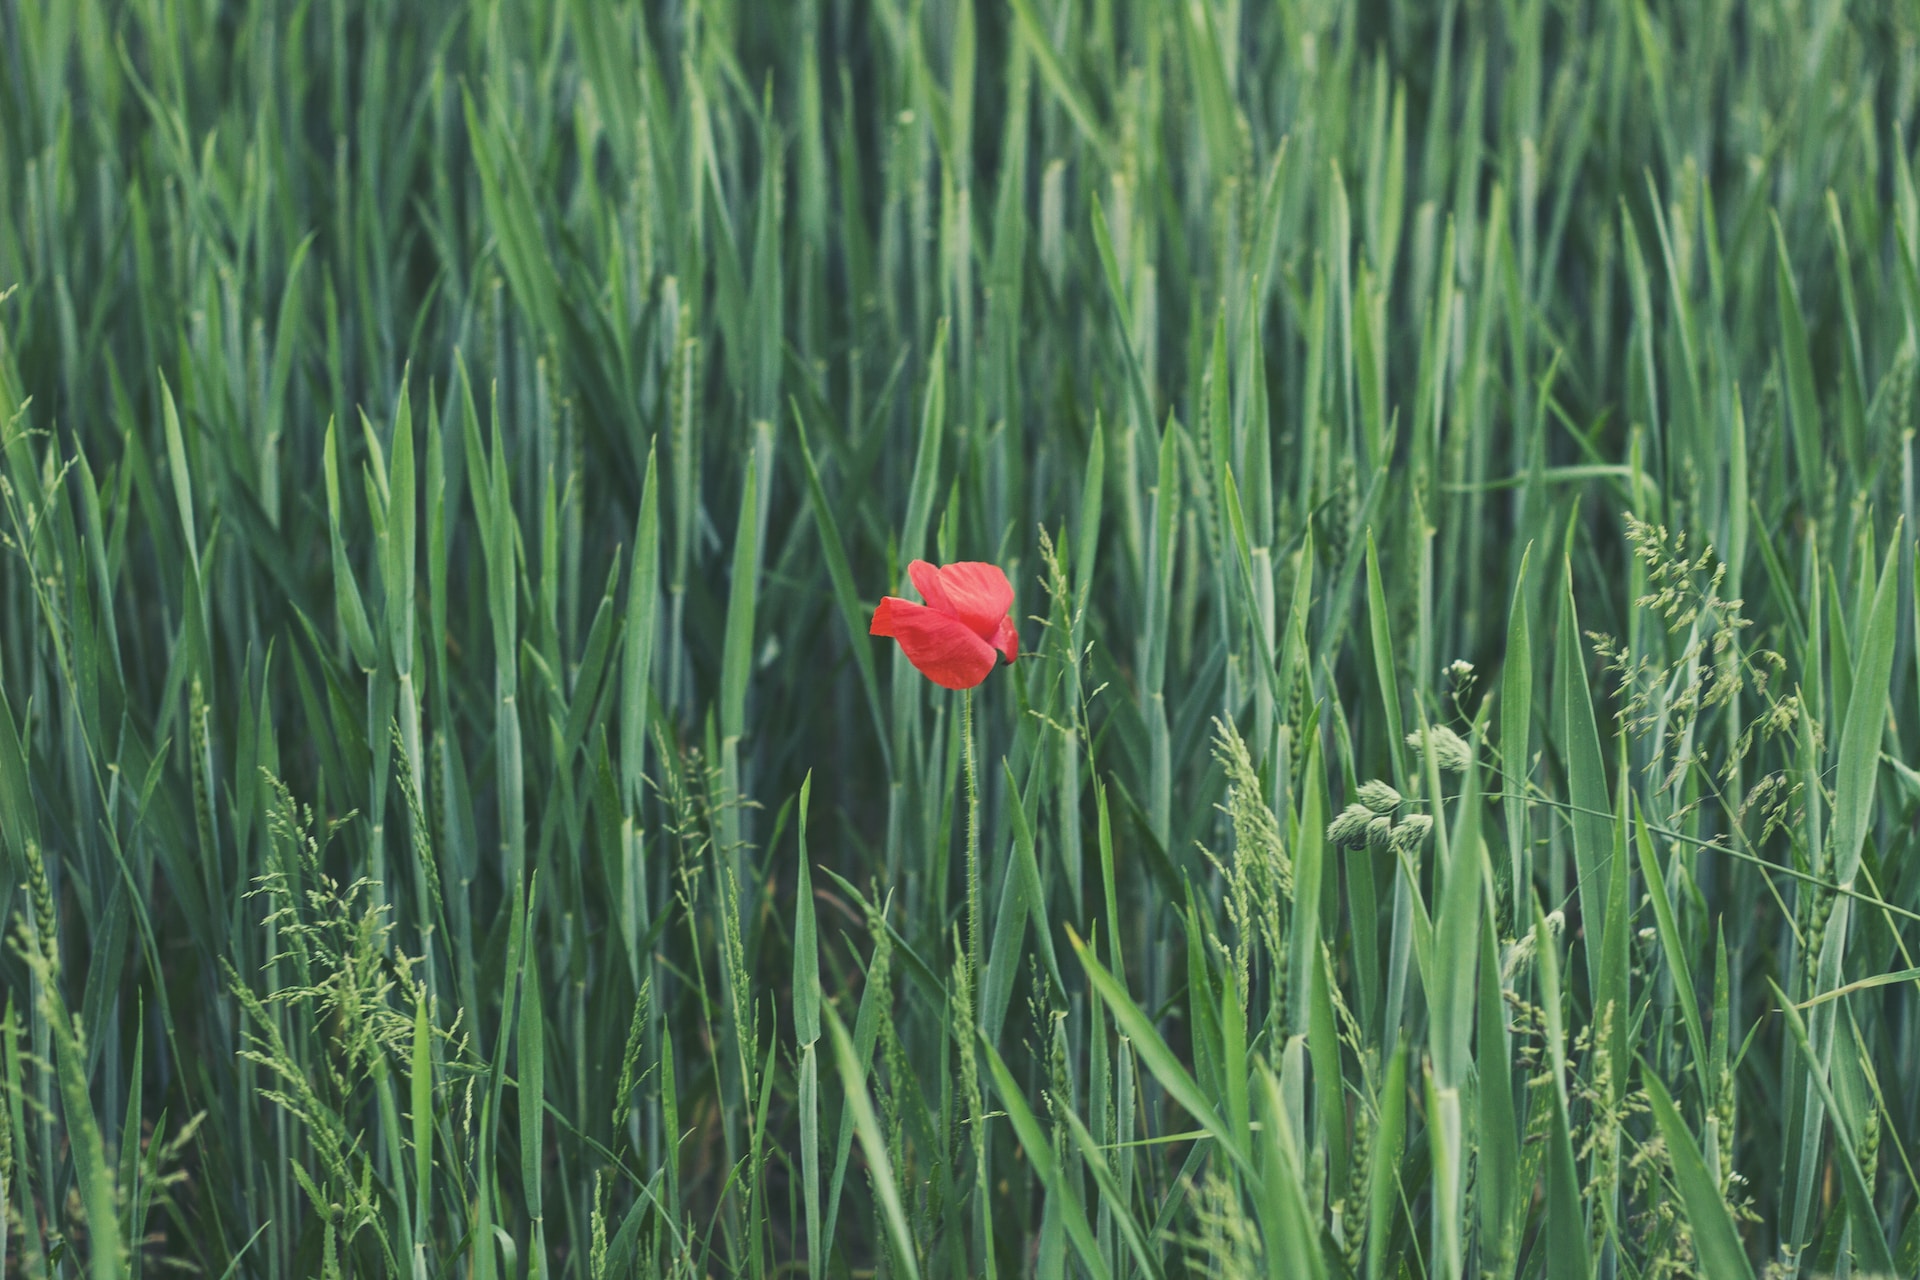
[(970, 968), (973, 846)]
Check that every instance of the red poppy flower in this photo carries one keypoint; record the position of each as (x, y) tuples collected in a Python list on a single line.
[(952, 638)]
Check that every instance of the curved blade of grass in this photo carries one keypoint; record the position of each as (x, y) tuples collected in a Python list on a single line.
[(834, 549), (400, 541), (926, 457), (1516, 723), (1866, 717), (1028, 867), (346, 591), (1864, 984), (643, 592), (1457, 935), (90, 1166), (1497, 1165), (806, 1029), (1039, 1150), (420, 1099), (1160, 1059), (1384, 670), (1309, 869), (1138, 400), (873, 1142), (1854, 785), (1801, 398), (1566, 1228), (1586, 781), (1383, 1179), (1291, 1234), (1670, 945), (1112, 1196), (736, 654), (1034, 36), (531, 1084), (1715, 1241), (1868, 1238), (1271, 673)]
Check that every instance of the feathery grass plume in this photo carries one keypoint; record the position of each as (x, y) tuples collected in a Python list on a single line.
[(1349, 828), (44, 918), (597, 1228), (961, 1025), (1450, 750), (1380, 797), (1262, 871), (1411, 832), (630, 1074), (1228, 1242)]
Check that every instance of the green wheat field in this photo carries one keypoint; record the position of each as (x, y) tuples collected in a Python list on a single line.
[(1456, 811)]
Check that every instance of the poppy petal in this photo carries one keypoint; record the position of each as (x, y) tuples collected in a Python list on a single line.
[(1007, 640), (979, 594), (926, 580), (883, 616), (939, 646)]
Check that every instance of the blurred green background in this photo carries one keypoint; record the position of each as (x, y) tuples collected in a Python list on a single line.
[(454, 822)]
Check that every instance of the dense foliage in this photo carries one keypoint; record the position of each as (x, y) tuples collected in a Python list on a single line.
[(1452, 812)]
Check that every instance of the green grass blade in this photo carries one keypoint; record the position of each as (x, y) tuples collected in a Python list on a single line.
[(1516, 724), (1591, 820), (736, 654), (1868, 1237), (1384, 1189), (845, 596), (874, 1143), (1565, 1231), (1715, 1239), (1040, 1151), (1866, 713), (1161, 1060), (1674, 950)]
